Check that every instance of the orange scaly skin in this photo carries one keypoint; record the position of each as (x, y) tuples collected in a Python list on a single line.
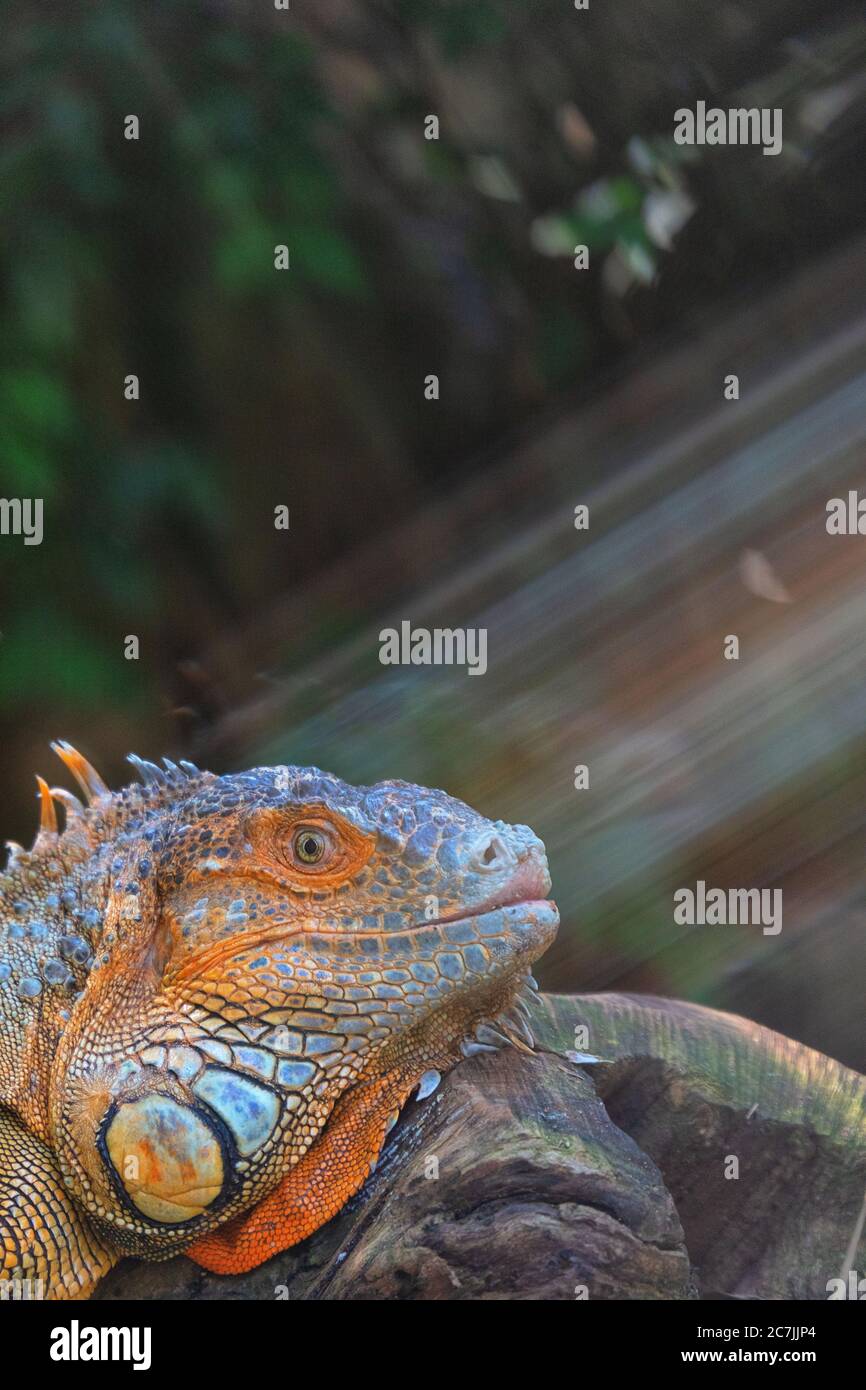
[(217, 992)]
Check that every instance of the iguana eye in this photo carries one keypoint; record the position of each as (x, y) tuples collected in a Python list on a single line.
[(308, 845), (305, 846)]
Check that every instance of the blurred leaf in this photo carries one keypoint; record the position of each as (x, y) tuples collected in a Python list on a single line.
[(759, 576), (149, 477), (460, 26), (44, 295), (326, 258), (228, 187), (562, 345), (28, 464), (36, 399), (244, 258), (72, 122)]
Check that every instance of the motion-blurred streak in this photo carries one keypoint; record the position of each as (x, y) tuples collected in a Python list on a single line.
[(606, 649)]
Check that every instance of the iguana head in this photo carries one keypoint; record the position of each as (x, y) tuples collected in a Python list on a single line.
[(251, 959)]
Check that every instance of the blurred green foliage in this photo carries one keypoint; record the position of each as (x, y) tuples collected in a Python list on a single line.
[(231, 159), (408, 256), (458, 26)]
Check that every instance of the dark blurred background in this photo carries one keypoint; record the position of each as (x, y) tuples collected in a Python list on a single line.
[(557, 387)]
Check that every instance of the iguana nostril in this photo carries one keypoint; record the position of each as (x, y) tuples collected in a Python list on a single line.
[(494, 853)]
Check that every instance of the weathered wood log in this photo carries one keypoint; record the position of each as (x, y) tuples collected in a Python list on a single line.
[(698, 1089), (536, 1178)]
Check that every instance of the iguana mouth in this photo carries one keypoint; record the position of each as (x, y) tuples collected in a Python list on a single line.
[(527, 889), (535, 920), (541, 912)]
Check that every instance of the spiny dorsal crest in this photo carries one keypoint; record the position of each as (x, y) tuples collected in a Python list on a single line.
[(87, 826)]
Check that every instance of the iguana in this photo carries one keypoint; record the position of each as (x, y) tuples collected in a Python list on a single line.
[(217, 992)]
